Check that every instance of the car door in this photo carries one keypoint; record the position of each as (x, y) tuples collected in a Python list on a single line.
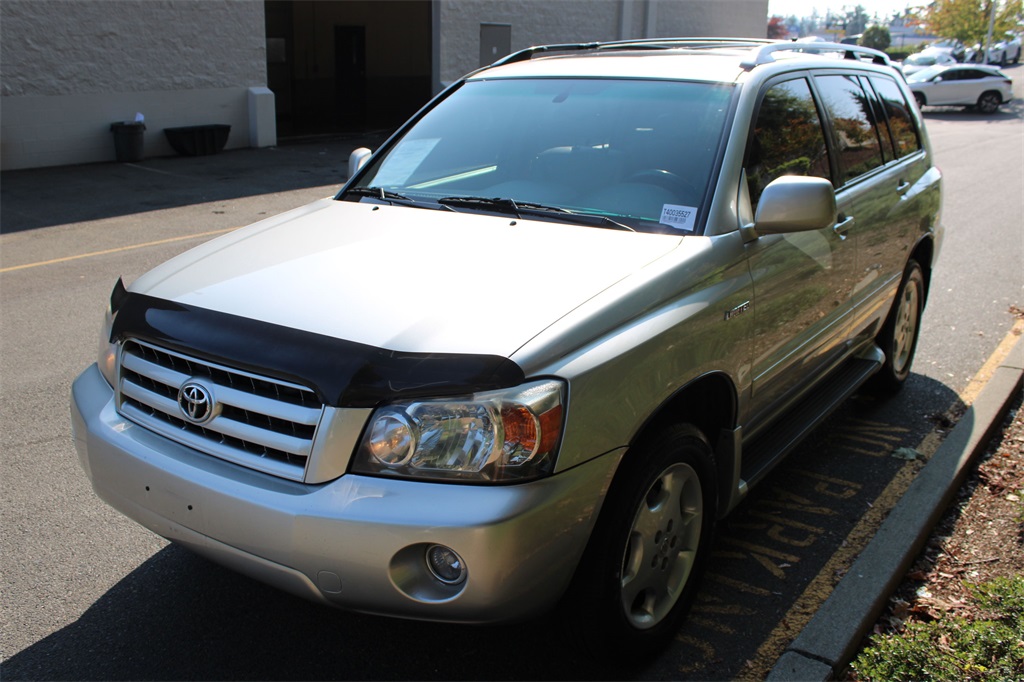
[(958, 86), (870, 184), (890, 211), (803, 280)]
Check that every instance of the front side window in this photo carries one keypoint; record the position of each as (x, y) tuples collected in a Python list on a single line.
[(788, 138), (639, 152), (855, 136)]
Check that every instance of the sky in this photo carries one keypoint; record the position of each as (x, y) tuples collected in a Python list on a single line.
[(802, 8)]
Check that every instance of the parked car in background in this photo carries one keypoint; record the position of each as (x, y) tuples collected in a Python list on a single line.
[(1011, 48), (951, 46), (1004, 52), (540, 342), (924, 59), (969, 85)]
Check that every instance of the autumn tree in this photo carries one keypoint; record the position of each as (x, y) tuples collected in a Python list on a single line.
[(777, 28), (967, 20)]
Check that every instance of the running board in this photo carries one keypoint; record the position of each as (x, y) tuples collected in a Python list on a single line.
[(761, 456)]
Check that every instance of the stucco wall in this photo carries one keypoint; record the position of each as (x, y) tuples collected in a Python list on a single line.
[(538, 22), (68, 68)]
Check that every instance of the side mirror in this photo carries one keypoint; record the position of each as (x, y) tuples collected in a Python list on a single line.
[(357, 159), (795, 203)]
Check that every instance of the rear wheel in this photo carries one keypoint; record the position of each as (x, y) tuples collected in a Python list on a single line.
[(989, 102), (920, 99), (639, 574), (899, 334)]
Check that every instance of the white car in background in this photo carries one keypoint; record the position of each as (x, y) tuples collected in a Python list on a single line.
[(926, 58), (1004, 52), (951, 46), (971, 85), (1011, 48)]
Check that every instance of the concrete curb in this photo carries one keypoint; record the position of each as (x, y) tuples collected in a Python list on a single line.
[(833, 636)]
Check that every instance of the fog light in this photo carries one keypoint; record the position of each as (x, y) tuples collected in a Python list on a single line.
[(445, 564)]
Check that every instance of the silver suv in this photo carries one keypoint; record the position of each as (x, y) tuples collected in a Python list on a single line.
[(543, 338)]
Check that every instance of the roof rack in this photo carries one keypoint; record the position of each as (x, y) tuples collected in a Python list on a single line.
[(645, 43), (765, 54), (763, 49)]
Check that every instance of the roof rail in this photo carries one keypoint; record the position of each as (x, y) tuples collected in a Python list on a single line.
[(764, 54), (648, 43)]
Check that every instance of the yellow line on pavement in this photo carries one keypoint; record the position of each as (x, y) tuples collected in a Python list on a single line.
[(117, 250), (1000, 354), (821, 586)]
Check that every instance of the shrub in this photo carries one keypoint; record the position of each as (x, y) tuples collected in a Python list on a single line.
[(956, 648), (876, 37)]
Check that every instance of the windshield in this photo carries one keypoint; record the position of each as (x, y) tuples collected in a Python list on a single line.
[(920, 60), (639, 152), (926, 74)]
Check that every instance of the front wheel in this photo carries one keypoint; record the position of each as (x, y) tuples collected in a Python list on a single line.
[(920, 99), (639, 574), (899, 334), (989, 102)]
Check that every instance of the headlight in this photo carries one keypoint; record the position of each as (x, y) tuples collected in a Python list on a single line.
[(502, 436), (107, 359)]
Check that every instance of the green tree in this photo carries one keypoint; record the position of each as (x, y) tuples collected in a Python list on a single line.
[(967, 20), (876, 37)]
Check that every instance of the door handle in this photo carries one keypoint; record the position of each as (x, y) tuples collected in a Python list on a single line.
[(840, 229)]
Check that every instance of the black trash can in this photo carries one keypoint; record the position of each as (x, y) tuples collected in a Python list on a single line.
[(128, 139)]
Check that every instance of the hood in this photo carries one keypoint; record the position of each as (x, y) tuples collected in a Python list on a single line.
[(405, 279)]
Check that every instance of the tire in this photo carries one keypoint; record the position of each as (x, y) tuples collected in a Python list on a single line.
[(920, 99), (640, 572), (988, 102), (898, 336)]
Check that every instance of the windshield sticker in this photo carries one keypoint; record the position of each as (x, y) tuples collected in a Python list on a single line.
[(679, 217), (403, 161)]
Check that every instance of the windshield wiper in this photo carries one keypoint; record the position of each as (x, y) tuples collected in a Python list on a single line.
[(379, 193), (521, 208), (497, 203)]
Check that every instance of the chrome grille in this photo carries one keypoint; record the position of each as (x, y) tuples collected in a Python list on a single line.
[(260, 423)]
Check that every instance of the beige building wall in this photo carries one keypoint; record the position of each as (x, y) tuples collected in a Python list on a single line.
[(69, 68), (539, 22)]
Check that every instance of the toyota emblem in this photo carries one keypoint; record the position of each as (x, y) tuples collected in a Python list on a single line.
[(195, 402)]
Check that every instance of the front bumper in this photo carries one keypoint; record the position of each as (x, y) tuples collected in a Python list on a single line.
[(356, 542)]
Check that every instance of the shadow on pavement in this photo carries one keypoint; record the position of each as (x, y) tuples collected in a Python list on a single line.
[(179, 617), (44, 197)]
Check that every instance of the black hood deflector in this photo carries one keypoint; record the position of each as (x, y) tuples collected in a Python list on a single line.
[(343, 373)]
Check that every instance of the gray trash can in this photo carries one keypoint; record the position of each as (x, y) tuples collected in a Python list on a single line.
[(128, 140)]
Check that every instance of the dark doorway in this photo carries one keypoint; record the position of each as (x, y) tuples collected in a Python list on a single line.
[(350, 75), (341, 66)]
